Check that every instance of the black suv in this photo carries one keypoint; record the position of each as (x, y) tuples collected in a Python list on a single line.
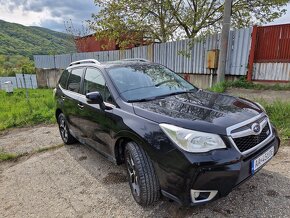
[(191, 145)]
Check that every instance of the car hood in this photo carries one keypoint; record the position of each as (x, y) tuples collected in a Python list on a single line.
[(200, 110)]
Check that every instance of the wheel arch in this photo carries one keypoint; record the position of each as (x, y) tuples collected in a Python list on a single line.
[(57, 113), (122, 139)]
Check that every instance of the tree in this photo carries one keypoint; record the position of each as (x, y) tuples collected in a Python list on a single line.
[(75, 33), (124, 20), (200, 17), (163, 20), (12, 64)]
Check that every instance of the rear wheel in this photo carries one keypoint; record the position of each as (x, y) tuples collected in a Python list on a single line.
[(142, 178), (64, 130)]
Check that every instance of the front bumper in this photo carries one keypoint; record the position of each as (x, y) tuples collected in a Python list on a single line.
[(220, 170)]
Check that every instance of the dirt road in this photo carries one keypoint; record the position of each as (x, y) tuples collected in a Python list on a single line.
[(75, 181)]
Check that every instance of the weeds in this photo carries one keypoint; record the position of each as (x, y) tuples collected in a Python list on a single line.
[(12, 156), (40, 150), (279, 113), (7, 156), (15, 110), (242, 82), (219, 87)]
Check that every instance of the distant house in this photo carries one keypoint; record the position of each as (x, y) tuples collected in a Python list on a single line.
[(90, 43)]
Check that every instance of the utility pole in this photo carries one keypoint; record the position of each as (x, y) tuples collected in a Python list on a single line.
[(224, 41)]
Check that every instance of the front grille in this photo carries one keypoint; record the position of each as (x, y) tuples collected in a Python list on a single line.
[(250, 141)]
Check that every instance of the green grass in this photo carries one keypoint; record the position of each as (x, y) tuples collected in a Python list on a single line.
[(15, 111), (243, 83), (219, 87), (279, 114), (7, 156), (40, 150), (12, 156)]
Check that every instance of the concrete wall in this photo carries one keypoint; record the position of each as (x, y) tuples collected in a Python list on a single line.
[(203, 81), (47, 78)]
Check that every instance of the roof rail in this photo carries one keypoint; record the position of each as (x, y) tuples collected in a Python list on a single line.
[(94, 61), (135, 59)]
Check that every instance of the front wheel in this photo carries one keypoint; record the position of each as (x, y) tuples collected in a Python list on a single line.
[(67, 138), (142, 177)]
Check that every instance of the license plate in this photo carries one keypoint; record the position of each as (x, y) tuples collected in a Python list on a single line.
[(261, 160)]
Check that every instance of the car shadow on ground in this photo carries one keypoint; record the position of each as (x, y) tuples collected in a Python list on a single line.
[(266, 194)]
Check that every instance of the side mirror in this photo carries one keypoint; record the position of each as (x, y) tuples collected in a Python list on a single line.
[(95, 98)]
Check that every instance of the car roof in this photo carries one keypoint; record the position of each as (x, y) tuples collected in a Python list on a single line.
[(109, 64), (112, 64)]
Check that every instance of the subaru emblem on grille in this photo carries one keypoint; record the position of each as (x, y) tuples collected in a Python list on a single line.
[(256, 128)]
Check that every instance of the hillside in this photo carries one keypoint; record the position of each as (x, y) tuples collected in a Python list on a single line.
[(16, 39)]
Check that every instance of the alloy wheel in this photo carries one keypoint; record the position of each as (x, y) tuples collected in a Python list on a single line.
[(63, 129), (133, 177)]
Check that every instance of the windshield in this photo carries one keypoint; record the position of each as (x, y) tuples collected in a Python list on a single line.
[(141, 82)]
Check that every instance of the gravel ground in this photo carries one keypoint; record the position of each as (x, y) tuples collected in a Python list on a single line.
[(75, 181), (21, 140)]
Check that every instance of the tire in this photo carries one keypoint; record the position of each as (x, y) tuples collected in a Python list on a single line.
[(66, 137), (143, 181)]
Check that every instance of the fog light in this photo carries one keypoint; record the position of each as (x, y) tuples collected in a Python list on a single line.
[(196, 194), (199, 196)]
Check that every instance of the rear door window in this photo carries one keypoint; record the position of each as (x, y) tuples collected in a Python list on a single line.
[(63, 79), (74, 81)]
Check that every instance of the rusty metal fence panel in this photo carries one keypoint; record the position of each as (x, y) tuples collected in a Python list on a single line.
[(273, 44)]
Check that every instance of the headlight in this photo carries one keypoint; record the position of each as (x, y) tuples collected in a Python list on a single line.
[(193, 141), (260, 106)]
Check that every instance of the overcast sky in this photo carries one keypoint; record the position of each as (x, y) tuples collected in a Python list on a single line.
[(52, 13), (47, 13)]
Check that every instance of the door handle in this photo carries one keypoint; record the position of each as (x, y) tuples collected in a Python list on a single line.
[(81, 106)]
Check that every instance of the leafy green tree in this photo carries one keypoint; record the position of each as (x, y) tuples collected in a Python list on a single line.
[(164, 20), (123, 21), (201, 17)]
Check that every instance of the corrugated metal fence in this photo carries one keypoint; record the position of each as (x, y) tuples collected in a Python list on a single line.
[(18, 81), (181, 56)]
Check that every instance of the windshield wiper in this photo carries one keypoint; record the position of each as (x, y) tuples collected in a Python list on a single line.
[(160, 96), (141, 99), (175, 93)]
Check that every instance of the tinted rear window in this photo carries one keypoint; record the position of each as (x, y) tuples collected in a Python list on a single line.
[(74, 81), (63, 79)]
